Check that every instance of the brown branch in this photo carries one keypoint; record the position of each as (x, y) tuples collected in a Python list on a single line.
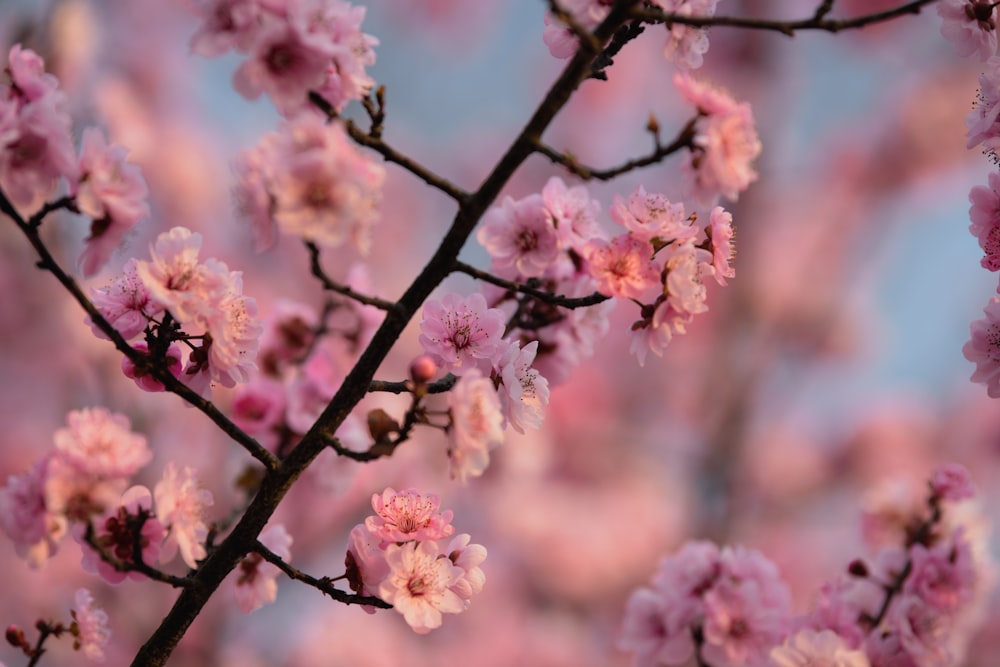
[(48, 263), (441, 386), (789, 28), (137, 564), (684, 139), (547, 297), (333, 286), (574, 26)]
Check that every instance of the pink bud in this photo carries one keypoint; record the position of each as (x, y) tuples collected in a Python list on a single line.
[(423, 369)]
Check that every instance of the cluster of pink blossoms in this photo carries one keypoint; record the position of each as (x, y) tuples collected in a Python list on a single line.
[(915, 606), (294, 47), (405, 554), (80, 488), (971, 26), (686, 45), (174, 290), (36, 151), (308, 180)]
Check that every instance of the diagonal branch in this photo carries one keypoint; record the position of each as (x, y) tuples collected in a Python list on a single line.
[(541, 295)]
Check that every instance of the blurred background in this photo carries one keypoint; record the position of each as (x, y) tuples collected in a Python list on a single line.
[(827, 371)]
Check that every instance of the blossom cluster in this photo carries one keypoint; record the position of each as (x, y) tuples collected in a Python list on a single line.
[(308, 180), (293, 48), (406, 555), (80, 488), (915, 604), (36, 151), (180, 302), (686, 45)]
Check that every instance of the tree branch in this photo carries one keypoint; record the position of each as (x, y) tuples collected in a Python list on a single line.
[(541, 295), (333, 286)]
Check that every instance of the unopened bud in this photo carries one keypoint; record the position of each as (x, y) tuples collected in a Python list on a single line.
[(857, 568), (15, 637), (380, 425), (422, 370)]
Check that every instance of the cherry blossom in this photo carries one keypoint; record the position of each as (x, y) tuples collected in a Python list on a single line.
[(461, 333), (983, 349), (623, 267), (365, 560), (90, 626), (100, 443), (125, 303), (468, 557), (720, 233), (115, 532), (110, 191), (686, 45), (180, 507), (419, 584), (476, 425), (255, 580), (526, 392), (981, 122), (559, 38), (649, 216), (952, 482), (970, 25), (408, 515), (574, 213), (146, 381), (25, 518), (520, 234), (807, 648), (985, 216)]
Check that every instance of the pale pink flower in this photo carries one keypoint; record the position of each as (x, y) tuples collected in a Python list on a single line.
[(573, 212), (985, 216), (288, 335), (646, 631), (970, 25), (228, 24), (90, 626), (944, 575), (525, 392), (27, 74), (25, 518), (725, 143), (259, 409), (115, 534), (807, 648), (419, 584), (251, 195), (233, 330), (981, 122), (180, 507), (100, 443), (36, 151), (952, 482), (740, 626), (623, 267), (923, 631), (651, 216), (408, 515), (560, 39), (461, 333), (112, 193), (686, 267), (686, 45), (365, 561), (520, 234), (339, 24), (983, 349), (177, 280), (256, 583), (125, 303), (720, 233), (146, 381), (647, 336), (468, 557), (476, 425), (75, 495)]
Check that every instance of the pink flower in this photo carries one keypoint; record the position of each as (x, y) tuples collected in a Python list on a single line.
[(146, 381), (228, 24), (175, 278), (419, 584), (520, 234), (944, 575), (408, 515), (725, 143), (180, 506), (366, 564), (259, 409), (460, 333), (233, 330), (982, 120), (985, 216), (526, 392), (817, 649), (686, 45), (686, 267), (649, 631), (651, 216), (720, 233), (25, 518), (476, 425), (125, 303), (740, 628), (101, 444), (112, 193), (923, 631), (255, 580), (574, 213), (970, 26), (559, 38), (952, 482), (90, 626), (468, 557), (623, 267), (339, 23), (983, 349), (288, 335), (115, 533), (27, 74)]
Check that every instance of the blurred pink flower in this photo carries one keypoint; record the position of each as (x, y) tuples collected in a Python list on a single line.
[(807, 648), (970, 25), (686, 45), (113, 532), (90, 626), (180, 507), (101, 444), (983, 349), (255, 578), (476, 425), (985, 216)]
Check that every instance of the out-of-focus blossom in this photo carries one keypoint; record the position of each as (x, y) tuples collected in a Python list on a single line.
[(476, 425), (970, 25), (686, 45), (983, 349), (180, 507), (101, 444), (256, 583), (90, 626), (817, 649)]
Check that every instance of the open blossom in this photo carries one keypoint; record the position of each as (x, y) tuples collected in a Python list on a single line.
[(256, 583), (559, 38), (125, 303), (419, 584), (100, 443), (573, 212), (146, 381), (114, 532), (686, 45), (983, 128), (24, 517), (622, 267), (520, 234), (468, 557), (725, 142), (180, 507), (720, 232), (177, 280), (310, 181), (90, 626), (408, 515), (952, 482), (817, 649), (461, 332), (970, 25), (365, 561), (476, 425), (112, 192), (985, 216), (983, 349), (649, 216), (525, 392)]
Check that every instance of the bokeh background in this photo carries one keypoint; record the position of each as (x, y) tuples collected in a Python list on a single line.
[(828, 369)]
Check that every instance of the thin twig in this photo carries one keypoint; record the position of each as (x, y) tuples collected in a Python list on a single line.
[(441, 386), (547, 297), (333, 286)]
